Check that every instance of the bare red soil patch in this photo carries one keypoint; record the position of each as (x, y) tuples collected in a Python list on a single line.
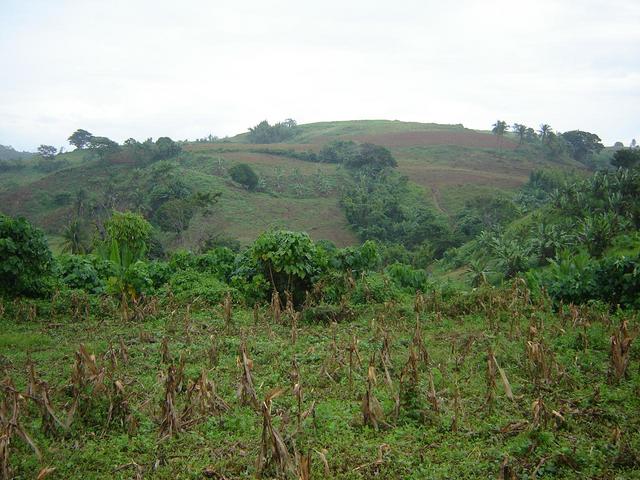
[(436, 177), (463, 139)]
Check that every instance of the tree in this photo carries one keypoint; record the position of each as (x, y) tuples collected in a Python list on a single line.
[(583, 144), (633, 143), (175, 215), (166, 148), (371, 159), (103, 146), (544, 132), (26, 263), (125, 246), (520, 130), (626, 158), (265, 133), (80, 138), (499, 129), (244, 175), (289, 260), (47, 152), (74, 239)]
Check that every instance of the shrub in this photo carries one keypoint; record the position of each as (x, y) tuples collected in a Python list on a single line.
[(78, 272), (406, 277), (26, 263), (357, 259), (244, 175), (189, 285), (374, 288), (289, 260)]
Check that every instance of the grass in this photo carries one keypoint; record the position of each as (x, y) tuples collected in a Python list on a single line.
[(302, 195), (593, 434)]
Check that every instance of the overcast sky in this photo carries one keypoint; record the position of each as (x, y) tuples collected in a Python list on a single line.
[(186, 69)]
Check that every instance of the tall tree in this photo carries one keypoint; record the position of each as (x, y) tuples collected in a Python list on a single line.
[(544, 132), (80, 138), (583, 144), (74, 239), (520, 130), (499, 129), (47, 151), (626, 158)]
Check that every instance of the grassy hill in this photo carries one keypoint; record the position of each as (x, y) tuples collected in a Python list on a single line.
[(449, 162)]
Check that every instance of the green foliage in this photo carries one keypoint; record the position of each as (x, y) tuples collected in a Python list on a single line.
[(78, 272), (166, 148), (406, 277), (370, 158), (26, 263), (244, 175), (583, 144), (74, 238), (280, 132), (386, 209), (355, 259), (626, 158), (126, 245), (103, 147), (174, 215), (189, 285), (579, 278), (485, 213), (374, 287), (159, 273), (338, 151), (289, 260), (80, 138), (47, 152)]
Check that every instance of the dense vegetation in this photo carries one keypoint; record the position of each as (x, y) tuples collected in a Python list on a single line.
[(493, 341)]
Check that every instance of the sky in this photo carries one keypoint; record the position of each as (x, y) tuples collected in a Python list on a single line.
[(187, 69)]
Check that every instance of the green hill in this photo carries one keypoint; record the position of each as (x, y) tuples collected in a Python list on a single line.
[(450, 163)]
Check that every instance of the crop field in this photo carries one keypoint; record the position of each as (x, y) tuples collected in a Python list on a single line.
[(486, 384)]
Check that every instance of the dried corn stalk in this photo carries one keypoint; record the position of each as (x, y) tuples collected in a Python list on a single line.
[(276, 307), (170, 420), (620, 351), (11, 427), (273, 450), (372, 413), (246, 391)]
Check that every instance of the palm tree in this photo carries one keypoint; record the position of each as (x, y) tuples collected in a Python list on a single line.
[(544, 131), (499, 129), (520, 130), (80, 202), (74, 241)]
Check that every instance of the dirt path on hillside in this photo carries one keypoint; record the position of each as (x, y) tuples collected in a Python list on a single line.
[(436, 201)]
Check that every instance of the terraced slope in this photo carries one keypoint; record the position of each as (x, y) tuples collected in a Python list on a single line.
[(450, 162)]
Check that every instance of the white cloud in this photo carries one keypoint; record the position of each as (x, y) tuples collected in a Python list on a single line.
[(152, 68)]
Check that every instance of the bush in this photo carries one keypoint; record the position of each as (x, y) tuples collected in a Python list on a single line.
[(244, 175), (78, 272), (26, 263), (289, 260), (406, 277), (189, 285), (374, 288), (356, 259)]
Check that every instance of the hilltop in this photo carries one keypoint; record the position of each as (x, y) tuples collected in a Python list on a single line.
[(449, 164)]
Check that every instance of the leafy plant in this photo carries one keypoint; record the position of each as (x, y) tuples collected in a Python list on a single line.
[(26, 263)]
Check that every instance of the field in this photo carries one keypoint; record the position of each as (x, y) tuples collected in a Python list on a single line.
[(483, 385), (449, 162)]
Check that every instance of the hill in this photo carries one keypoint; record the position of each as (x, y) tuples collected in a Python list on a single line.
[(449, 163)]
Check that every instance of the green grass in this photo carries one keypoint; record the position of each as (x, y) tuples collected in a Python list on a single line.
[(417, 444), (449, 174)]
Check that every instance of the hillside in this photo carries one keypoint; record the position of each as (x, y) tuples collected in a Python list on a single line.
[(449, 162)]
